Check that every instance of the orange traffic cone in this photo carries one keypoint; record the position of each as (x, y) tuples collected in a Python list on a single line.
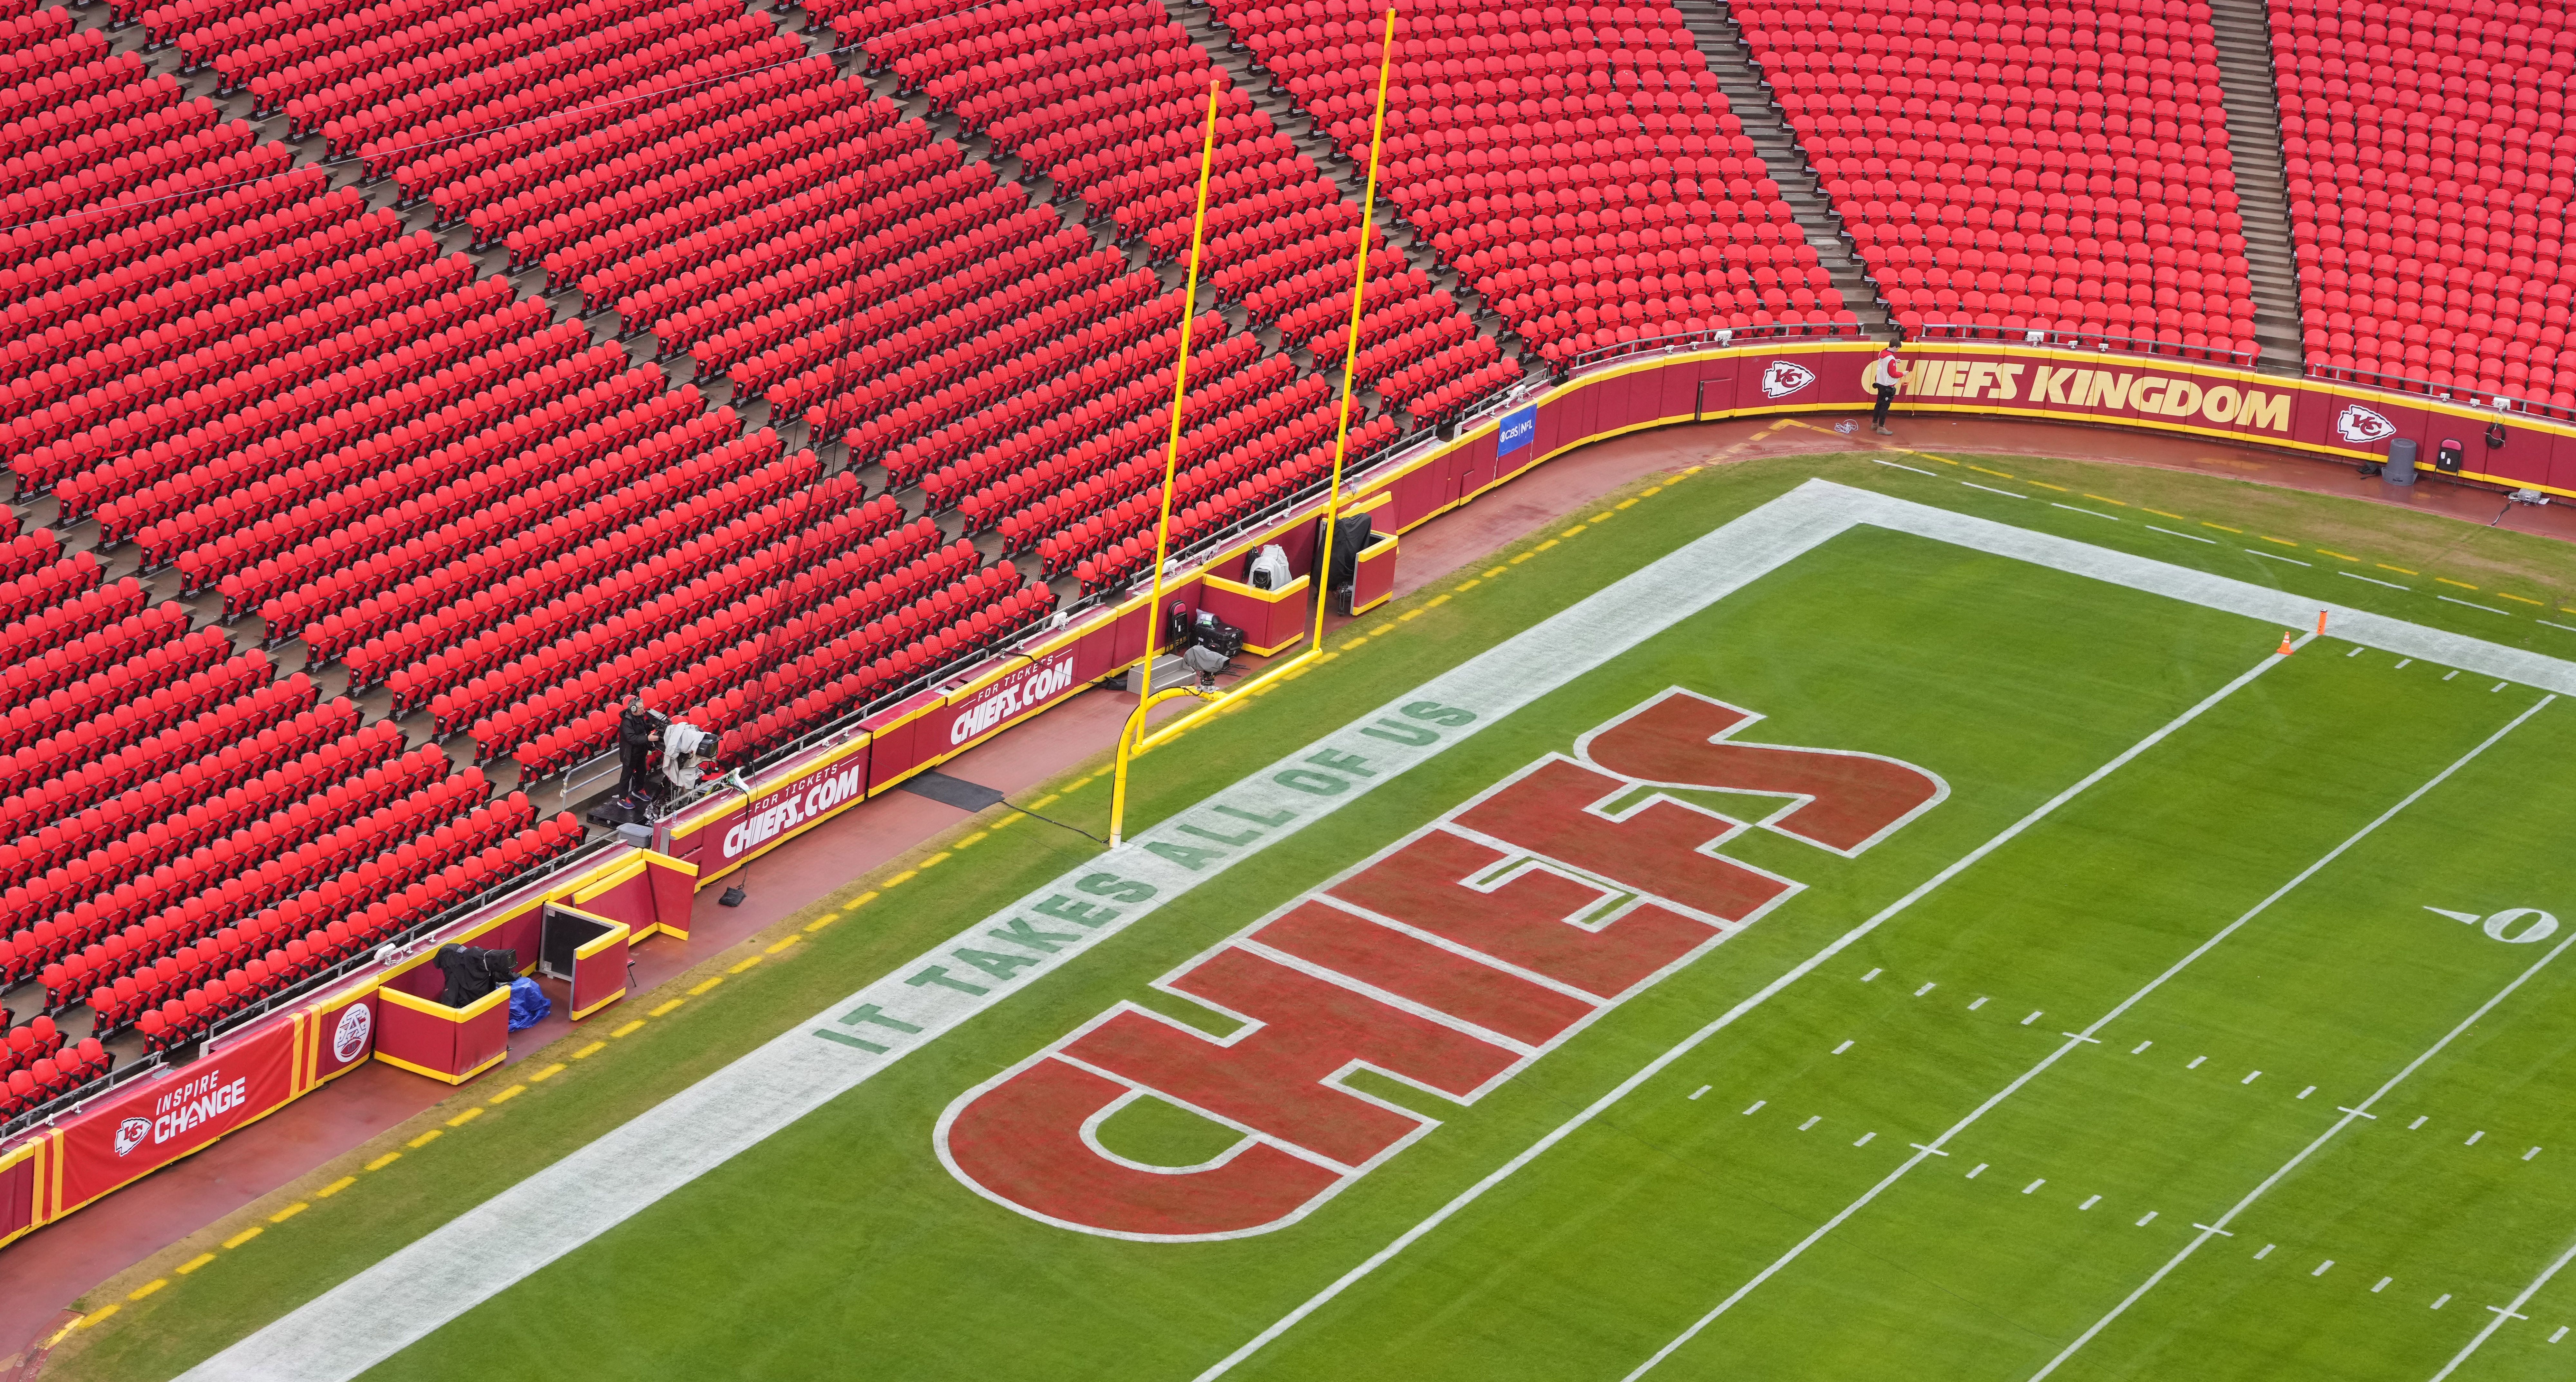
[(2285, 649)]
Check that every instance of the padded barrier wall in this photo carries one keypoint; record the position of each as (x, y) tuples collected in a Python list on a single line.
[(140, 1127)]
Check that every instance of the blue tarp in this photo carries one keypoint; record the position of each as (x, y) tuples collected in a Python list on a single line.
[(528, 1005)]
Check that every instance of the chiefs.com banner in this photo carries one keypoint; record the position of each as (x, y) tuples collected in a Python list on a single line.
[(158, 1120)]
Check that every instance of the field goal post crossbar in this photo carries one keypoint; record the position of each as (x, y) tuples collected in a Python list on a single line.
[(1132, 739)]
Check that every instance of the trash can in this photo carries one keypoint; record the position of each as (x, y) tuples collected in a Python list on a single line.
[(2400, 466)]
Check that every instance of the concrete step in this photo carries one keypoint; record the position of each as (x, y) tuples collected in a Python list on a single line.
[(2252, 102)]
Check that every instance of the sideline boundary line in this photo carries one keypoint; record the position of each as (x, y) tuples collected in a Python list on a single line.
[(2077, 1040), (423, 1285)]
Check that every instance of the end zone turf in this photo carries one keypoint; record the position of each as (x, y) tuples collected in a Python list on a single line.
[(1691, 1092)]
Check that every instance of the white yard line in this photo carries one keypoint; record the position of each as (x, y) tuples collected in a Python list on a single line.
[(1801, 970), (2513, 1311), (2350, 1115), (2078, 1040)]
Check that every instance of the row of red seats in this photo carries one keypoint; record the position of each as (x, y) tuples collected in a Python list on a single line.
[(135, 133), (437, 655), (124, 173), (211, 880), (50, 584), (913, 177), (1075, 415), (1235, 380), (529, 189), (597, 664), (395, 515), (396, 112), (405, 458), (742, 322), (133, 722), (886, 428), (2427, 214), (2102, 125), (64, 885), (885, 408), (146, 671), (757, 328), (64, 795), (133, 812), (45, 1079), (376, 632), (839, 129), (594, 80), (62, 418), (1412, 383), (831, 683), (1121, 561), (69, 119), (904, 607), (21, 1047), (67, 374), (359, 859), (1449, 402), (40, 284), (328, 944), (235, 436), (98, 648), (51, 90), (941, 316), (342, 82), (420, 853), (1259, 444)]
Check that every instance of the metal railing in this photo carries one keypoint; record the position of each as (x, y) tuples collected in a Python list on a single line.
[(2083, 340), (1715, 338), (2474, 397)]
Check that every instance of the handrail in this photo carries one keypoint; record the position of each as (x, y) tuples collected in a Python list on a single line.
[(1713, 338), (2400, 383), (2081, 340)]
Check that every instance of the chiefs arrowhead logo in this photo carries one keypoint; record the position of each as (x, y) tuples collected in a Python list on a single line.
[(2361, 426), (1780, 378), (130, 1134)]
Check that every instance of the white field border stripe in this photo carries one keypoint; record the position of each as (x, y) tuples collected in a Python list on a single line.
[(2213, 1228), (491, 1247), (400, 1299), (2077, 1040), (1567, 1128)]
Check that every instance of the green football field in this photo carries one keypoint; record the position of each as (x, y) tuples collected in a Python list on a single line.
[(2199, 1014)]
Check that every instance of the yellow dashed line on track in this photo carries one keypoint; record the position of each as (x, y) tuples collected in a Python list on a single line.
[(629, 1029), (2104, 498), (1981, 470), (203, 1259), (1579, 527), (2400, 570), (747, 963), (906, 876), (507, 1095), (2281, 540), (1463, 589), (426, 1138), (2220, 527), (2524, 599), (243, 1237), (147, 1288), (1624, 503), (783, 943), (384, 1161), (2339, 556), (589, 1051), (971, 840), (335, 1187), (705, 984), (2162, 514), (1525, 556), (95, 1316), (1551, 542), (289, 1212), (2043, 484), (1598, 517), (667, 1008), (2464, 585), (933, 861), (464, 1118), (546, 1074), (1434, 602)]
